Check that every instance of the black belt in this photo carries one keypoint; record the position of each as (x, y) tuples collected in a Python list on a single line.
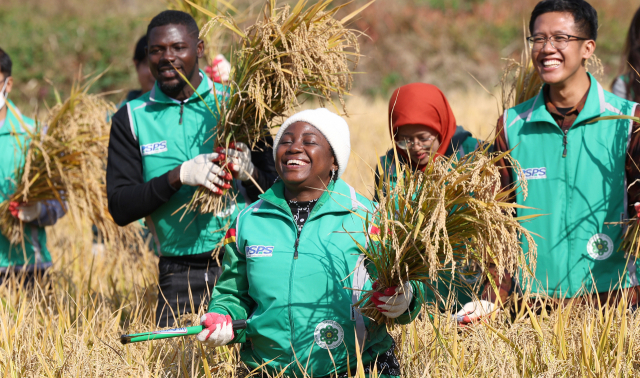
[(198, 261)]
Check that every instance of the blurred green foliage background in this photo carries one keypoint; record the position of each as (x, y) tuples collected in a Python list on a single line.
[(436, 41)]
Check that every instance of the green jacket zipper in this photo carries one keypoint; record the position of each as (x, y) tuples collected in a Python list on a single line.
[(181, 111), (293, 267)]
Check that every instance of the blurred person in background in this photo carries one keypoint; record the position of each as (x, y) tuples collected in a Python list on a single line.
[(422, 125), (288, 264), (31, 257), (577, 168), (161, 152), (145, 78), (627, 85)]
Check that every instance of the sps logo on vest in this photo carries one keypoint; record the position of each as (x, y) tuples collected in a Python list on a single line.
[(258, 251), (153, 148), (535, 173)]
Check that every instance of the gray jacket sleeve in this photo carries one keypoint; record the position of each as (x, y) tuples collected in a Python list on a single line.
[(619, 88)]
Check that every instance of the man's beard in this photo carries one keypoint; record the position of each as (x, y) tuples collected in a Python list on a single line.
[(173, 90)]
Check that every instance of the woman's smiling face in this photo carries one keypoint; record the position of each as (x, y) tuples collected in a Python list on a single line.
[(419, 141), (304, 158)]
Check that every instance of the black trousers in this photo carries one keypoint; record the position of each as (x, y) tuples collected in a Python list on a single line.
[(184, 281), (27, 277)]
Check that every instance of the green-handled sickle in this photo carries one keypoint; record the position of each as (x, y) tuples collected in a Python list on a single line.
[(175, 332)]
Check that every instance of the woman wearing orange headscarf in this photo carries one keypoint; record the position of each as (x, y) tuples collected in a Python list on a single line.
[(422, 126)]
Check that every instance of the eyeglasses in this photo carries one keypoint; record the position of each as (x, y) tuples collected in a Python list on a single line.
[(405, 143), (558, 41)]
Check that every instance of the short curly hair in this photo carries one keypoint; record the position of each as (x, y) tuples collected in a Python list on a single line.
[(174, 17)]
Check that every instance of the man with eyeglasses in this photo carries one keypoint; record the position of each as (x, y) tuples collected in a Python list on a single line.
[(31, 257), (578, 166)]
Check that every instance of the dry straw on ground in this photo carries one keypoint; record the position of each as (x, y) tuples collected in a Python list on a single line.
[(287, 53), (65, 161), (70, 328)]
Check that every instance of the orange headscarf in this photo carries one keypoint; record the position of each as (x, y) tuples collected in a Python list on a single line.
[(422, 104)]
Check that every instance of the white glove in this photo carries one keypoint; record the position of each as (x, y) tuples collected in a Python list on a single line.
[(474, 311), (240, 164), (219, 70), (28, 212), (217, 331), (395, 300), (201, 170)]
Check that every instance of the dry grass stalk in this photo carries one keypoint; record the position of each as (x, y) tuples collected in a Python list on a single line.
[(451, 215), (216, 39), (66, 162), (71, 327), (286, 54)]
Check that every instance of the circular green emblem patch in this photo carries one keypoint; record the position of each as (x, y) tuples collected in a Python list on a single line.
[(600, 246), (328, 334)]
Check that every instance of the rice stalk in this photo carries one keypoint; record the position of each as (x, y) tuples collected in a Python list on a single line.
[(216, 39), (65, 161), (452, 214), (520, 80), (288, 53)]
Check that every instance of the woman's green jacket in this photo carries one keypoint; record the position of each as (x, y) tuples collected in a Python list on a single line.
[(294, 291)]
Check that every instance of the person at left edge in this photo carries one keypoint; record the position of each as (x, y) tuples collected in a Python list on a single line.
[(160, 152), (34, 259)]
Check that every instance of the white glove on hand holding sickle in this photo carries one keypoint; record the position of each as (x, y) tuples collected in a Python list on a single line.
[(217, 329)]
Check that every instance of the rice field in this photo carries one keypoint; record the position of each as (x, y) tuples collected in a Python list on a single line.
[(68, 325)]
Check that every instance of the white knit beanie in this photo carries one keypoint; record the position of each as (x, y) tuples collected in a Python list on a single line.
[(332, 126)]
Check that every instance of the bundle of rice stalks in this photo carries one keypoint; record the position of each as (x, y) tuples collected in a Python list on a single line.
[(65, 161), (453, 214), (216, 38), (287, 53), (631, 240)]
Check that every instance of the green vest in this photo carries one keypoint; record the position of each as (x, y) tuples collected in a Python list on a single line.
[(294, 290), (170, 133), (580, 191), (13, 140)]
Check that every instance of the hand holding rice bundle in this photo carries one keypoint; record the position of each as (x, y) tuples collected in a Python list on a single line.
[(440, 213), (289, 52), (64, 165)]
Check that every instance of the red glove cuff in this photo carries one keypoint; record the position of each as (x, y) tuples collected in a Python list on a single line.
[(13, 208)]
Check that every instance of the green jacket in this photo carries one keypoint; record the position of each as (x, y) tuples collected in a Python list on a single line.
[(466, 286), (578, 180), (169, 133), (294, 291), (14, 140)]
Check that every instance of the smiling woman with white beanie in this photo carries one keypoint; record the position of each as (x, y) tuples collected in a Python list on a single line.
[(289, 258)]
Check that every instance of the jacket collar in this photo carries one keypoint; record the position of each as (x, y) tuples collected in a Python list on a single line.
[(594, 107), (338, 198), (12, 122), (158, 96)]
